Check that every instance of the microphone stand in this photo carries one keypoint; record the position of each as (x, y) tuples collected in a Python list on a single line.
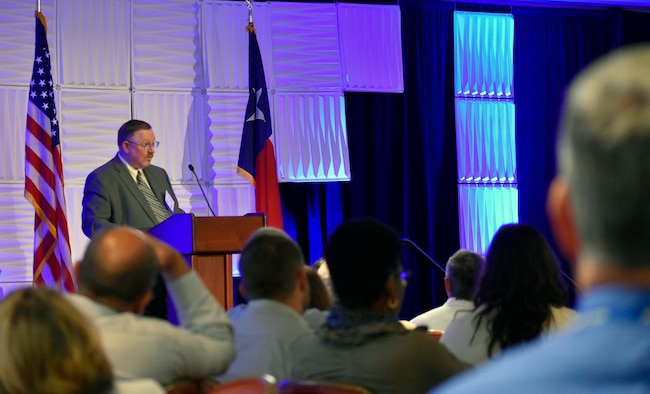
[(191, 167), (429, 259)]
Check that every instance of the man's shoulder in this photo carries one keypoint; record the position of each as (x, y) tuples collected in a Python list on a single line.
[(507, 374), (153, 168), (109, 166), (127, 324), (87, 306), (545, 365), (442, 315), (270, 315)]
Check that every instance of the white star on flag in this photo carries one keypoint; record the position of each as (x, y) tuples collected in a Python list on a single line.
[(258, 114)]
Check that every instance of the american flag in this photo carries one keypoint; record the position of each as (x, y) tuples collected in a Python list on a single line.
[(44, 174)]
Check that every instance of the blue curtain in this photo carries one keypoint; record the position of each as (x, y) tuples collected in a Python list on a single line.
[(403, 146), (551, 47), (402, 159)]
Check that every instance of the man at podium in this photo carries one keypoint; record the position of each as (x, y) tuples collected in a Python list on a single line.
[(129, 191)]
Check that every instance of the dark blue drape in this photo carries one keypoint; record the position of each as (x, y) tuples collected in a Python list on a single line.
[(403, 147), (402, 159), (551, 47)]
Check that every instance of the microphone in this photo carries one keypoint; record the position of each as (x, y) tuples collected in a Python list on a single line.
[(191, 167), (430, 259)]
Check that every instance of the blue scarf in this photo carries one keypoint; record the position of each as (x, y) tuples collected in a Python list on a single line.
[(345, 327)]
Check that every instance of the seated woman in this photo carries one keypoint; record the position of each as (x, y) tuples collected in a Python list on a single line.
[(520, 296), (319, 296), (320, 300), (47, 346), (363, 341)]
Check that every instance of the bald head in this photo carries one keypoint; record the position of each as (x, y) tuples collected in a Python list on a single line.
[(119, 264)]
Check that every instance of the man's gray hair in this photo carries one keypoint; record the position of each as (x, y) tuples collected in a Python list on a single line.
[(604, 153), (269, 263), (463, 271)]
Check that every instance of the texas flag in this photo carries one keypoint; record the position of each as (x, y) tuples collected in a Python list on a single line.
[(256, 155)]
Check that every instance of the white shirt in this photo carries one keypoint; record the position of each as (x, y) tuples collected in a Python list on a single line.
[(270, 339), (134, 171), (440, 317), (471, 345)]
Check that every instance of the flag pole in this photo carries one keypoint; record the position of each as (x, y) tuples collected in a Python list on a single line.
[(250, 11), (38, 5), (250, 27)]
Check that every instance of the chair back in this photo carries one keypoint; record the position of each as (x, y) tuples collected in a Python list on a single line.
[(436, 334), (187, 386), (320, 387), (265, 384), (183, 387)]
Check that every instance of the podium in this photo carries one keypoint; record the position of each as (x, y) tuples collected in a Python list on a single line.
[(208, 243)]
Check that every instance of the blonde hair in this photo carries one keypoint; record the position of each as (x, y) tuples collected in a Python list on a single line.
[(48, 347)]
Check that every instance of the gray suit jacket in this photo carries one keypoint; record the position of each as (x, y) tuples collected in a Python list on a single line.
[(111, 197)]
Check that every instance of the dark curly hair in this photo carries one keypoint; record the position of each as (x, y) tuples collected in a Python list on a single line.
[(361, 254), (520, 283)]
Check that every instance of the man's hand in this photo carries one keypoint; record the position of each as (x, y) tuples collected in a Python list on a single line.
[(171, 264)]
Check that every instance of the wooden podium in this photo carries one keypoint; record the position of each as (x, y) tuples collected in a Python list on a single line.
[(208, 243)]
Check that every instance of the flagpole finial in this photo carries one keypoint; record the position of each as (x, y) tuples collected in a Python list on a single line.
[(250, 27), (250, 11)]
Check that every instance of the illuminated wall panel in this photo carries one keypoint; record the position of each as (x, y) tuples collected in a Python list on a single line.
[(485, 126), (482, 210), (371, 58), (483, 54), (485, 141)]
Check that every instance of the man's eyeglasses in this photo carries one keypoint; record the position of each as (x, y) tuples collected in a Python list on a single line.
[(146, 145)]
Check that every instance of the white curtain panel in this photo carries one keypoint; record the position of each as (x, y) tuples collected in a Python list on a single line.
[(485, 141), (482, 210), (182, 65), (483, 54)]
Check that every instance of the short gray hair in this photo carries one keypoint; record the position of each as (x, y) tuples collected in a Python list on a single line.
[(604, 153), (269, 263), (463, 271)]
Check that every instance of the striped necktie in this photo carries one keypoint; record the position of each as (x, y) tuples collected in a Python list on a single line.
[(158, 209)]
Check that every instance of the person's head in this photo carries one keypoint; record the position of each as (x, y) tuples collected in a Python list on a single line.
[(319, 295), (598, 204), (137, 143), (118, 269), (47, 346), (364, 260), (520, 283), (462, 273), (272, 267)]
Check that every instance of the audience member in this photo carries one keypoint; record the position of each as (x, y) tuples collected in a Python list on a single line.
[(115, 279), (462, 272), (520, 296), (320, 300), (319, 296), (47, 346), (363, 342), (598, 207), (320, 266), (270, 333), (314, 316)]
